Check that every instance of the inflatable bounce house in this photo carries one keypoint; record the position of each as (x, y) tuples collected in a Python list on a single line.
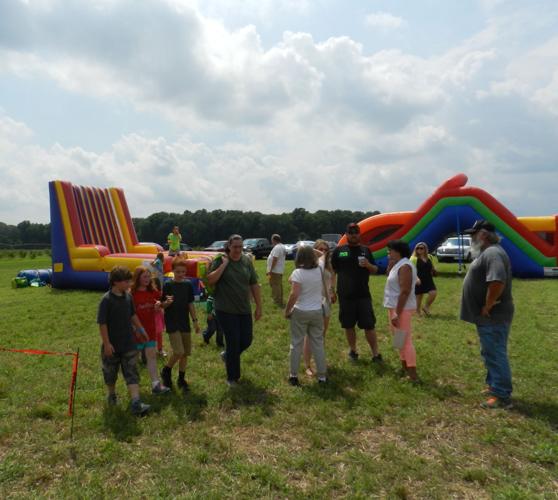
[(531, 242), (92, 231)]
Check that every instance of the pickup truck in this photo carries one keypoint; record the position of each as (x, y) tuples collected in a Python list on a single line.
[(258, 247)]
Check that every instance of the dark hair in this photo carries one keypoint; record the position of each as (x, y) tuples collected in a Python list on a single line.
[(276, 237), (306, 258), (232, 237), (119, 273), (401, 247)]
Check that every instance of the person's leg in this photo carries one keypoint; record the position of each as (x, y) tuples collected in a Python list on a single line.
[(110, 367), (351, 339), (246, 337), (182, 362), (494, 341), (131, 376), (431, 298), (316, 335), (276, 283), (177, 346), (367, 321), (408, 352), (298, 327), (307, 356), (211, 328), (151, 355), (231, 329), (419, 303), (219, 340)]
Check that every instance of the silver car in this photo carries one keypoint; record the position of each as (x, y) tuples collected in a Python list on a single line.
[(454, 249)]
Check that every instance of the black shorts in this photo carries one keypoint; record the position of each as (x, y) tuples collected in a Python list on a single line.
[(126, 361), (357, 312)]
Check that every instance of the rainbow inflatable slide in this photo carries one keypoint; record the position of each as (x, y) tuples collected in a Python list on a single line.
[(531, 242), (92, 231)]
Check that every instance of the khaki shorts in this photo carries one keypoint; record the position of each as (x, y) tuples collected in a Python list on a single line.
[(181, 343)]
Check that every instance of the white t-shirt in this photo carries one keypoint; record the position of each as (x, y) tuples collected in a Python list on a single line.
[(310, 280), (392, 288), (279, 252)]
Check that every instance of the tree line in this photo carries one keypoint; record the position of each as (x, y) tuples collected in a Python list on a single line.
[(201, 227)]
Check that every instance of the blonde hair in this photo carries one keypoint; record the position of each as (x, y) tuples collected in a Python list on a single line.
[(420, 243)]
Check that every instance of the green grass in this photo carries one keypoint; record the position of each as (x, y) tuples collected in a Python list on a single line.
[(367, 435)]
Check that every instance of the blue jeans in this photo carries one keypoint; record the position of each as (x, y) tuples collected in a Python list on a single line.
[(494, 351), (238, 337)]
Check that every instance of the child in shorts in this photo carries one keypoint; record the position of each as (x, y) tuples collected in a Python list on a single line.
[(178, 302), (115, 317)]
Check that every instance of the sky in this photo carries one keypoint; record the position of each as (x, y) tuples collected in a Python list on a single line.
[(270, 105)]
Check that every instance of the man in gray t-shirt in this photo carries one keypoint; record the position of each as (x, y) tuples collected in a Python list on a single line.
[(487, 303)]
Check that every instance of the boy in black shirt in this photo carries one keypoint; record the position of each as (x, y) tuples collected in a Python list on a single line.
[(115, 317), (178, 302)]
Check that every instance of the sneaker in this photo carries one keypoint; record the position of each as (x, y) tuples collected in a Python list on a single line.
[(160, 389), (494, 403), (377, 359), (166, 376), (353, 356), (139, 409), (322, 381), (182, 384), (112, 399), (223, 356), (294, 381)]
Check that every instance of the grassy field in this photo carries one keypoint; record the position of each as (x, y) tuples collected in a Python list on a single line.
[(368, 434)]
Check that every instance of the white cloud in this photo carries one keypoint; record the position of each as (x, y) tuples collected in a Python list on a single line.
[(301, 123), (384, 21)]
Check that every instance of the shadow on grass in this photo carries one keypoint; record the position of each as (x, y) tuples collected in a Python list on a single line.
[(547, 412), (247, 393), (189, 407), (123, 425)]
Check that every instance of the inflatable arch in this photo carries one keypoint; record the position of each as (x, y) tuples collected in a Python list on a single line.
[(531, 242)]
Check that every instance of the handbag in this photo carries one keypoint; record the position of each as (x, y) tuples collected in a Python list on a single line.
[(399, 337)]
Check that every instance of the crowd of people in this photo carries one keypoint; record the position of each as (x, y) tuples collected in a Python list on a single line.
[(130, 314)]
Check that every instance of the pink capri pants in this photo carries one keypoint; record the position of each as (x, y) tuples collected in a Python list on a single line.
[(408, 353)]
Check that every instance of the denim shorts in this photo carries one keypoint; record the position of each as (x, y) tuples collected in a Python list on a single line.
[(124, 360)]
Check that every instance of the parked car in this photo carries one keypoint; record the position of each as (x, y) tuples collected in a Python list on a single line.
[(258, 247), (455, 248), (332, 239), (216, 246), (290, 248), (184, 247), (291, 255)]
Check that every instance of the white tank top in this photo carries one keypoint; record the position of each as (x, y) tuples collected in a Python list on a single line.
[(392, 288)]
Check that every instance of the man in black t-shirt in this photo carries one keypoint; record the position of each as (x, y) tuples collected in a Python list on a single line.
[(353, 264)]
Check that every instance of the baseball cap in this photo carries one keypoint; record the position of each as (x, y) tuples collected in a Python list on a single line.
[(352, 228), (478, 225)]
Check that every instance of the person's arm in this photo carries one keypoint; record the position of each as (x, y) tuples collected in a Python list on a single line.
[(138, 326), (370, 264), (108, 349), (293, 297), (256, 293), (194, 317), (405, 277), (493, 293), (215, 275)]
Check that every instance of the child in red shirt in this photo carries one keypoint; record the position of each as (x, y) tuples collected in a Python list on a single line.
[(147, 302)]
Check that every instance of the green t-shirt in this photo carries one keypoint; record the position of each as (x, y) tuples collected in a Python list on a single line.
[(232, 291), (174, 241)]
